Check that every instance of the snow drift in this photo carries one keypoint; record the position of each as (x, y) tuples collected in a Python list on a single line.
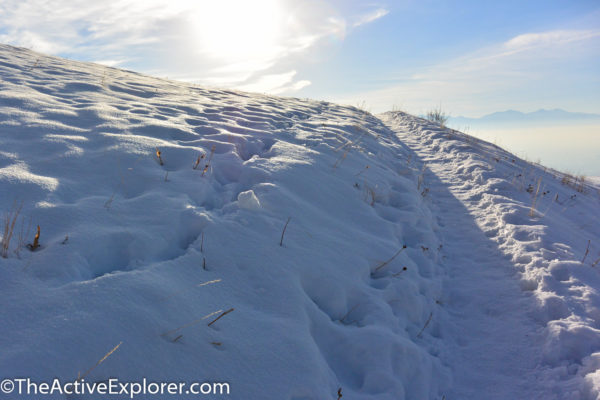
[(326, 232)]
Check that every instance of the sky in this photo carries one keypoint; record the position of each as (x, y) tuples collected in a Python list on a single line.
[(470, 58)]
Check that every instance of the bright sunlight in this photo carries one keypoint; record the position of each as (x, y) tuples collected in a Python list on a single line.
[(239, 30)]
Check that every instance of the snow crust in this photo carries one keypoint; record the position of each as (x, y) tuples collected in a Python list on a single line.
[(410, 267)]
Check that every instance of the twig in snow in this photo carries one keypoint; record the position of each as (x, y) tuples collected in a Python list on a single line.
[(383, 264), (348, 313), (224, 313), (194, 322), (198, 160), (586, 252), (36, 241), (283, 232), (21, 236), (195, 286), (339, 393), (426, 324), (212, 153), (363, 170), (202, 251), (399, 273), (9, 226), (158, 155), (80, 377)]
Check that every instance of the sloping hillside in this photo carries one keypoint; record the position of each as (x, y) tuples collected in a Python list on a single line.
[(292, 249)]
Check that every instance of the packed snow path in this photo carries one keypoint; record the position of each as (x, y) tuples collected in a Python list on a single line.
[(493, 341), (494, 331)]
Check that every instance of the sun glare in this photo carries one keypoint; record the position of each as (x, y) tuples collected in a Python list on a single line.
[(238, 30)]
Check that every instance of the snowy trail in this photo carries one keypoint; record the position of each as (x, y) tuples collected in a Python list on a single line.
[(419, 263), (494, 344)]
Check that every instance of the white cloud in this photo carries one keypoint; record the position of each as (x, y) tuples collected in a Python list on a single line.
[(231, 43), (550, 38), (276, 83), (517, 72), (370, 17)]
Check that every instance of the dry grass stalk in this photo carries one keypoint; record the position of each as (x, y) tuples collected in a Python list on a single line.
[(587, 250), (202, 251), (363, 170), (348, 313), (36, 241), (194, 322), (224, 313), (199, 160), (399, 273), (158, 155), (426, 324), (283, 232), (371, 195), (532, 209), (21, 237), (195, 286), (10, 219), (212, 153), (80, 377), (383, 264)]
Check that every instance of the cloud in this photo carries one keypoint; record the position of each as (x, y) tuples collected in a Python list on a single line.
[(550, 38), (528, 68), (276, 83), (370, 17), (231, 43)]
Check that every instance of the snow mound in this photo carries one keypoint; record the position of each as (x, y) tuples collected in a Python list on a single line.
[(294, 249), (146, 192)]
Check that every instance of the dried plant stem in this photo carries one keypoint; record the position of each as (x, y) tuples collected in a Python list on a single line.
[(532, 210), (587, 250), (212, 153), (9, 226), (36, 241), (80, 377), (195, 286), (283, 232), (426, 324), (224, 313), (198, 160), (383, 264), (348, 313), (194, 322)]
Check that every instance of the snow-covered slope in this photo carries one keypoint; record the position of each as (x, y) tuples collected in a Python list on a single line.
[(339, 253)]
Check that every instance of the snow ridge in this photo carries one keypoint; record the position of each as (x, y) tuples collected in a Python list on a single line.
[(417, 262), (139, 249)]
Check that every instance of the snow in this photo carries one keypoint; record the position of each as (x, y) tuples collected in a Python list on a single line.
[(487, 300)]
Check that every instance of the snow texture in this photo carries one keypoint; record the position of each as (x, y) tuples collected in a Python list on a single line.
[(412, 266)]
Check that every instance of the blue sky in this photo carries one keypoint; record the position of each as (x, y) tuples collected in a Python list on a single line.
[(470, 57)]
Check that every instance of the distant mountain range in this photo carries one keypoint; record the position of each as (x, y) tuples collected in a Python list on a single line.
[(511, 117)]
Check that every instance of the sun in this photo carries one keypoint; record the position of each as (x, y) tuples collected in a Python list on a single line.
[(238, 30)]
